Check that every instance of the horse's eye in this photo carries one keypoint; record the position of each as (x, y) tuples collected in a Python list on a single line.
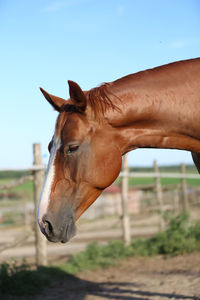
[(50, 146), (72, 148)]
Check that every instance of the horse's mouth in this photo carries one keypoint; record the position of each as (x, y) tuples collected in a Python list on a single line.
[(70, 232)]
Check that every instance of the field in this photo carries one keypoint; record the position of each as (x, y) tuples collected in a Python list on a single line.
[(24, 190)]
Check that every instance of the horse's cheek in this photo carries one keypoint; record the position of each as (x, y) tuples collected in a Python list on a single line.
[(106, 168)]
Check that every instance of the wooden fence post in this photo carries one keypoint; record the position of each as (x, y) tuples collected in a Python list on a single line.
[(184, 189), (159, 194), (40, 240), (176, 200), (124, 201)]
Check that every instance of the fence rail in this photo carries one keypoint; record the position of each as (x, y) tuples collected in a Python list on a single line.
[(160, 175)]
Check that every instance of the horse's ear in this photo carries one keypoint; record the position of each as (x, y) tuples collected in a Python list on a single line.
[(55, 101), (77, 96)]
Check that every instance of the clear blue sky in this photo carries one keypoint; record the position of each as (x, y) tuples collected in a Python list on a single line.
[(45, 43)]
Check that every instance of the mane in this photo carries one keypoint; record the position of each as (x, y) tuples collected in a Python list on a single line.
[(99, 99), (70, 108)]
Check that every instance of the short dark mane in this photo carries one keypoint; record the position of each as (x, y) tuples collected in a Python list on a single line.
[(99, 99)]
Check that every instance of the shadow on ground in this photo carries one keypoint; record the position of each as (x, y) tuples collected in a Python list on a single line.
[(76, 288), (51, 283)]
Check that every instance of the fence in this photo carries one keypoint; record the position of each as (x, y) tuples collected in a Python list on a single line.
[(158, 190), (38, 176)]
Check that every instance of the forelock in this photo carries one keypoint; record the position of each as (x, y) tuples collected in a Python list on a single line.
[(71, 108)]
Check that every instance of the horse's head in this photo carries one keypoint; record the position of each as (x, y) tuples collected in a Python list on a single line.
[(84, 160)]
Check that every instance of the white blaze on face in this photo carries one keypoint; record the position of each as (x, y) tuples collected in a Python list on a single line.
[(46, 189)]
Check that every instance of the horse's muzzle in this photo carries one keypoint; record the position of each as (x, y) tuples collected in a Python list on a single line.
[(60, 230)]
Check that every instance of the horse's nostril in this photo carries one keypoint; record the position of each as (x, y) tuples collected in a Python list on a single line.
[(48, 228)]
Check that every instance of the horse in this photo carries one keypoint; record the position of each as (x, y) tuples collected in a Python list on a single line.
[(155, 108)]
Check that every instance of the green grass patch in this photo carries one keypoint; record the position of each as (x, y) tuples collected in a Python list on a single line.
[(140, 181), (10, 174), (23, 191), (169, 169), (164, 181), (21, 280), (191, 169)]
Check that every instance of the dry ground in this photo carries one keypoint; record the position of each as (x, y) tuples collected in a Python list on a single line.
[(133, 279), (136, 278), (101, 230)]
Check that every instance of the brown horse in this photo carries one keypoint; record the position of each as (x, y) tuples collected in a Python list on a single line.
[(156, 108)]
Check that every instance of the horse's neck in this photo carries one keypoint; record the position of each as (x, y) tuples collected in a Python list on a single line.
[(158, 110)]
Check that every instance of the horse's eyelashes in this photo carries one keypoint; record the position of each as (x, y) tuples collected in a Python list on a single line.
[(72, 148)]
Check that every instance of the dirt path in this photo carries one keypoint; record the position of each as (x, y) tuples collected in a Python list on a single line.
[(136, 278), (101, 230)]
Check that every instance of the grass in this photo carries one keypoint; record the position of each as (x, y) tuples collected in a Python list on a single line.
[(22, 191), (21, 280), (180, 237), (25, 189), (164, 181), (170, 169), (13, 174)]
